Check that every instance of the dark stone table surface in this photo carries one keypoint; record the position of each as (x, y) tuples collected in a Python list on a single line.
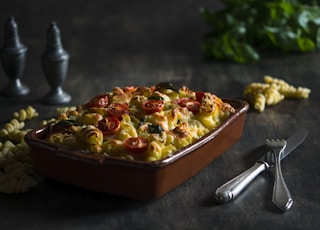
[(119, 43)]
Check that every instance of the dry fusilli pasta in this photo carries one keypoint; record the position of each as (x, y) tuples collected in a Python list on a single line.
[(16, 168), (25, 114), (11, 126), (271, 92)]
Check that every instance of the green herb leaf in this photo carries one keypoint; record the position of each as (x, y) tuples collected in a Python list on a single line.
[(157, 129)]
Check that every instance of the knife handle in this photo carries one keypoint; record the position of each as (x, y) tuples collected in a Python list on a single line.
[(230, 190)]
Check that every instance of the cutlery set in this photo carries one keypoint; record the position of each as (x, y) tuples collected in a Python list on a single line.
[(279, 149)]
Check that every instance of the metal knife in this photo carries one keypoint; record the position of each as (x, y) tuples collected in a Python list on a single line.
[(230, 190)]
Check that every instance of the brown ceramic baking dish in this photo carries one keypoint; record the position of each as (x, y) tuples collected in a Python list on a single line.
[(134, 179)]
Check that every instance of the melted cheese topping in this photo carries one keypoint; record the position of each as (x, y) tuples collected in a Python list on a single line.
[(183, 119)]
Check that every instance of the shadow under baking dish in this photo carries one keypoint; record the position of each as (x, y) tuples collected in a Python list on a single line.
[(134, 179)]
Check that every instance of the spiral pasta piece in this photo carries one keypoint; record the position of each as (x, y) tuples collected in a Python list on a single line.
[(155, 151), (6, 147), (25, 114), (127, 131), (272, 95), (288, 90), (18, 135), (90, 118), (11, 126), (300, 92), (90, 135), (259, 102)]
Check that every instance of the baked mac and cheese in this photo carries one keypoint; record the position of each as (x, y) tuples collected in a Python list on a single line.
[(140, 123)]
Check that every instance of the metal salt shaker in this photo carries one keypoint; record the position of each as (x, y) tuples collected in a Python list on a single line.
[(55, 66), (13, 56)]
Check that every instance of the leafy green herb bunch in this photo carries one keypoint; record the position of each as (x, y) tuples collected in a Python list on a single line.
[(243, 28)]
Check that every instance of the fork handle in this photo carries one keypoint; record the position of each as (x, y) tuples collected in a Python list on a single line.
[(230, 190), (281, 196)]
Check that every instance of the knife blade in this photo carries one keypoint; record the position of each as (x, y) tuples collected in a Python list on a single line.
[(230, 190)]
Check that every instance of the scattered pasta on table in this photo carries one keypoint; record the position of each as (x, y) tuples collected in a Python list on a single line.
[(16, 169), (271, 92)]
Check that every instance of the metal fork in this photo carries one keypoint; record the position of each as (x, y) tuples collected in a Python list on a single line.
[(281, 196)]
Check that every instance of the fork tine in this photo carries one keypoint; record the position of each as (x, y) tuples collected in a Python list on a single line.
[(275, 142)]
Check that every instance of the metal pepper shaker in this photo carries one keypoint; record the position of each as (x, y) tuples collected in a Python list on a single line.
[(13, 56), (55, 66)]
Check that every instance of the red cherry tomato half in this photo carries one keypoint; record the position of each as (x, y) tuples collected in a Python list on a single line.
[(199, 96), (136, 144), (109, 125), (191, 104), (100, 101), (152, 106), (182, 101), (117, 109)]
